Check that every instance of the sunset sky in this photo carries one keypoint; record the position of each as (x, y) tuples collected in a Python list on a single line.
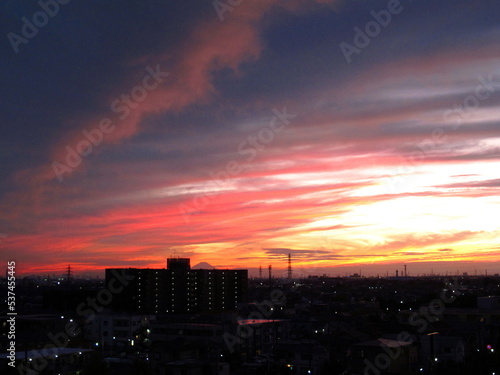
[(237, 134)]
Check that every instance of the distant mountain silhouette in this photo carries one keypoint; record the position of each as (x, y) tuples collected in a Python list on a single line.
[(203, 266)]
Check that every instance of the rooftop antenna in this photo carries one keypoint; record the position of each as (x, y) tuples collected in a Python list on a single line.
[(260, 272), (270, 274)]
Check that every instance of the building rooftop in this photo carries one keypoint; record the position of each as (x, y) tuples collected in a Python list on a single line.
[(384, 343)]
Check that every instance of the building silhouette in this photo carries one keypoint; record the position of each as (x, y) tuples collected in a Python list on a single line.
[(179, 289)]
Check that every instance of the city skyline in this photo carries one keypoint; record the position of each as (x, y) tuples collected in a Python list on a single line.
[(351, 135), (280, 273)]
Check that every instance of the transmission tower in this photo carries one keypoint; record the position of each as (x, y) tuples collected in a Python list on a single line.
[(289, 266)]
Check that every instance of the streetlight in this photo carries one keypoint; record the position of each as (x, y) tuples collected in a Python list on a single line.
[(431, 338)]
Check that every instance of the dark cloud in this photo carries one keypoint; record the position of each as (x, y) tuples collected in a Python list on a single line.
[(298, 252), (354, 124), (473, 184)]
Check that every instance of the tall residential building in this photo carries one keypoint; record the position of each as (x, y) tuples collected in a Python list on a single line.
[(179, 289)]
